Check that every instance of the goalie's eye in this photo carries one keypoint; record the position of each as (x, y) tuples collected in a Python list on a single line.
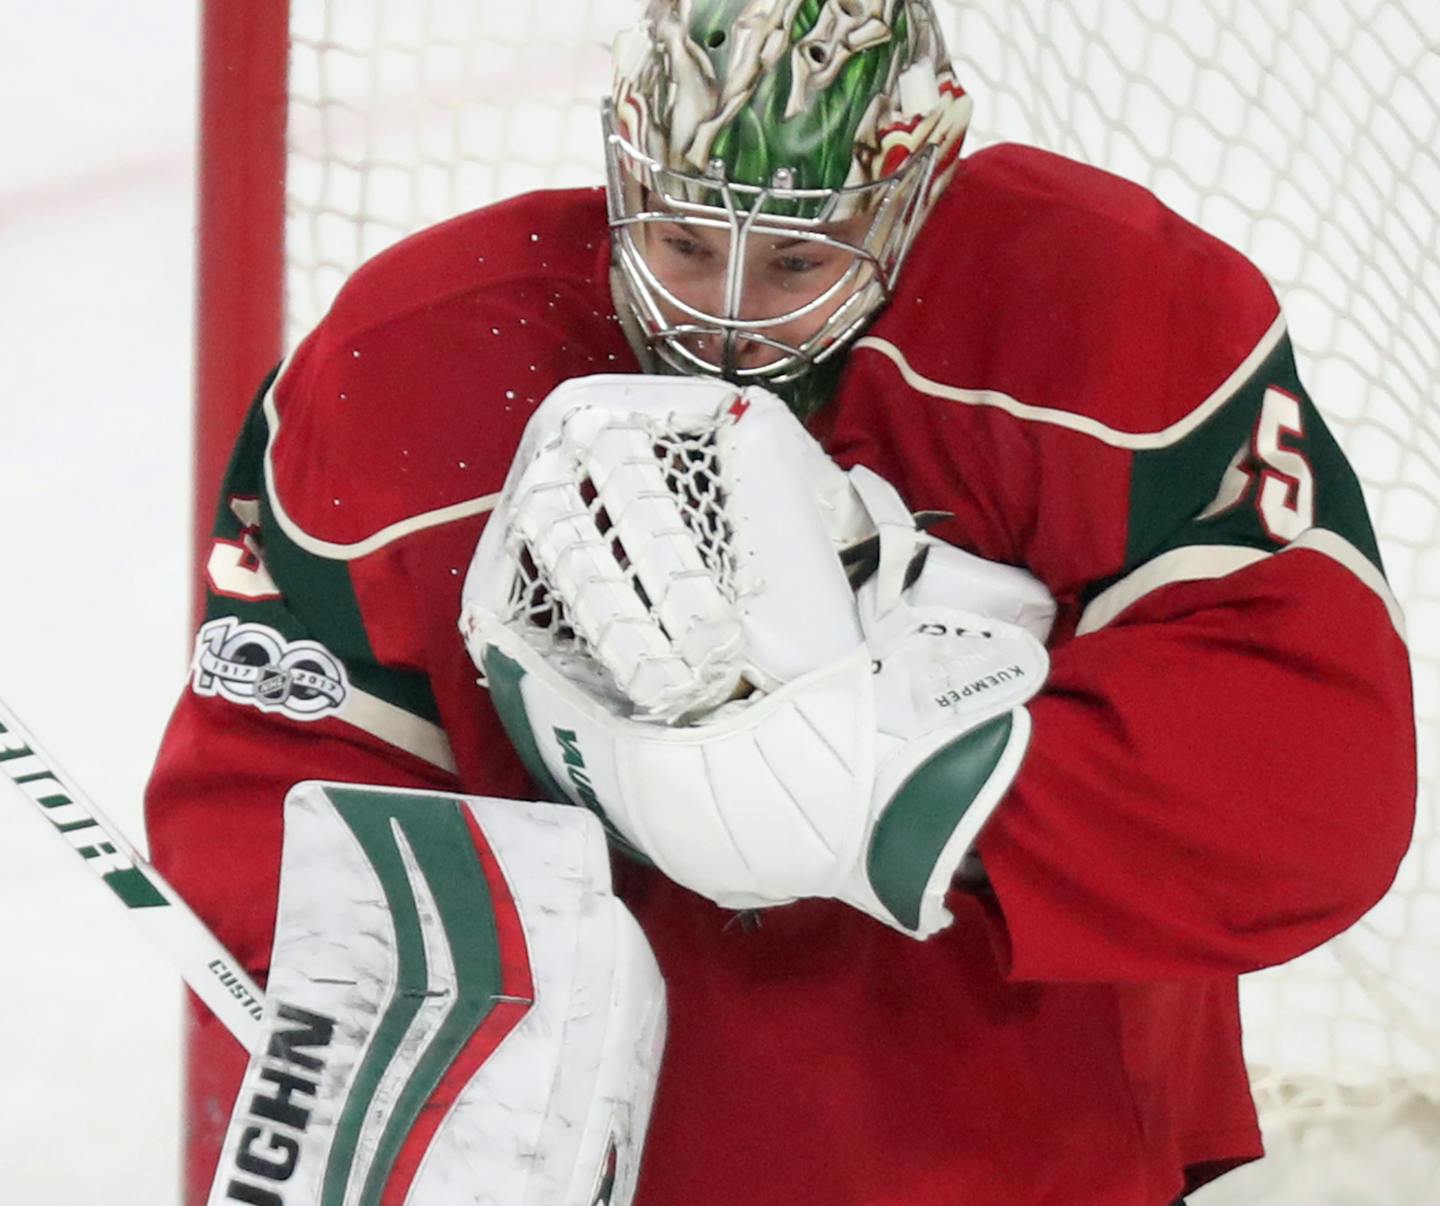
[(686, 247), (798, 265)]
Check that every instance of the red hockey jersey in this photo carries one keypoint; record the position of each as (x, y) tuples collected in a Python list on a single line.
[(1222, 768)]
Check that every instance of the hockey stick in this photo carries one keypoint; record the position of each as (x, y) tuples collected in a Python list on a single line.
[(207, 967)]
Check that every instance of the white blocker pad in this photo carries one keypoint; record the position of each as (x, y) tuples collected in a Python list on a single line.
[(458, 1011)]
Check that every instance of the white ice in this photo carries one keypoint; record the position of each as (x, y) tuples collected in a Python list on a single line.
[(96, 182)]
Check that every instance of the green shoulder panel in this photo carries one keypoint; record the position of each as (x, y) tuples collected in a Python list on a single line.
[(268, 599), (1240, 477)]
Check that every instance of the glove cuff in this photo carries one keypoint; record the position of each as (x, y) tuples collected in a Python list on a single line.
[(933, 818)]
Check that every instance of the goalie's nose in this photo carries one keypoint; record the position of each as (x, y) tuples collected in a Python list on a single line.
[(745, 351)]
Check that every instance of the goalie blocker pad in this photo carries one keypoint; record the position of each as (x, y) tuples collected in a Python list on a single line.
[(458, 1010)]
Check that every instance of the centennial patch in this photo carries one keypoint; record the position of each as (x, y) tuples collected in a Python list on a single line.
[(253, 664)]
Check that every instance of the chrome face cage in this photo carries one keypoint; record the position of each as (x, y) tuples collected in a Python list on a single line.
[(641, 191)]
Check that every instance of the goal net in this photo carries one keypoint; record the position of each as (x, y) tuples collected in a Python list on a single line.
[(1303, 132)]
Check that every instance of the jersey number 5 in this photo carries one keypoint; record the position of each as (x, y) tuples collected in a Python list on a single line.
[(236, 568), (1272, 472)]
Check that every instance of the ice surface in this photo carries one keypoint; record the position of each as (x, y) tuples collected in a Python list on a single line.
[(96, 181)]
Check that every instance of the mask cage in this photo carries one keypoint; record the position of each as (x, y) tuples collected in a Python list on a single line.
[(640, 191)]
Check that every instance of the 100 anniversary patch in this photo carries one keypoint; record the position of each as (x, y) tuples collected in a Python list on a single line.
[(253, 664)]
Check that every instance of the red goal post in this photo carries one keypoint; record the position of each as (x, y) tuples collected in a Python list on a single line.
[(1304, 132), (240, 218)]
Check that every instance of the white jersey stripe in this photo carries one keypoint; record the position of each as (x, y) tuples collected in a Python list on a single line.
[(1138, 441), (1198, 562), (399, 728), (354, 550), (391, 724)]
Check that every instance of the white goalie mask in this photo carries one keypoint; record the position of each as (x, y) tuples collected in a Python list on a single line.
[(768, 167)]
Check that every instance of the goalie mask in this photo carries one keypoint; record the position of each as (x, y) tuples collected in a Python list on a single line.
[(769, 163)]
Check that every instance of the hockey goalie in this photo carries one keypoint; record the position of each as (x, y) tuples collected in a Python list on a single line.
[(458, 1008), (930, 574)]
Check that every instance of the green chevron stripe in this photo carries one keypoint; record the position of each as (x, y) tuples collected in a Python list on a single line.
[(437, 833)]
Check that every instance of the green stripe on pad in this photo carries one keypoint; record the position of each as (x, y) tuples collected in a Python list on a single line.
[(921, 817), (438, 834)]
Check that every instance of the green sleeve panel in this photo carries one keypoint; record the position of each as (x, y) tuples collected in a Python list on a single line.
[(1204, 489), (316, 599)]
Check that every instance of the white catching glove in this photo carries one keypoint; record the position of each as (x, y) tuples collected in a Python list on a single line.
[(643, 544), (836, 744)]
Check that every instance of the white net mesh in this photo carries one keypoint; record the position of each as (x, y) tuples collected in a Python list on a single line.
[(1303, 132)]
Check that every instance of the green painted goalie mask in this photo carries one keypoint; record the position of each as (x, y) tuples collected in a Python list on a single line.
[(768, 165)]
